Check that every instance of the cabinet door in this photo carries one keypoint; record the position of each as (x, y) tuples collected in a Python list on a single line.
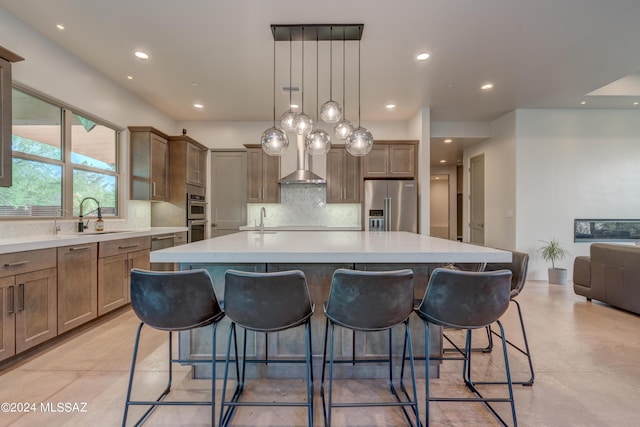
[(376, 163), (196, 165), (254, 175), (36, 308), (402, 161), (159, 168), (113, 283), (77, 285), (352, 178), (7, 317), (335, 175), (270, 178), (5, 123)]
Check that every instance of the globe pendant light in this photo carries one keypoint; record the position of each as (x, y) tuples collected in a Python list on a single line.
[(343, 127), (317, 141), (303, 123), (360, 141), (288, 118), (274, 141), (331, 112)]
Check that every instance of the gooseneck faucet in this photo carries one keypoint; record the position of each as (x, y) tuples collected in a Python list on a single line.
[(263, 214), (81, 225)]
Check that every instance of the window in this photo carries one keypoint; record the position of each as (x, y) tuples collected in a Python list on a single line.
[(59, 157)]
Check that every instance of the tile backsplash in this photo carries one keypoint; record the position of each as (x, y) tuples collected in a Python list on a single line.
[(305, 205)]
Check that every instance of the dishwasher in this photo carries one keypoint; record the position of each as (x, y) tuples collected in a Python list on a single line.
[(163, 241)]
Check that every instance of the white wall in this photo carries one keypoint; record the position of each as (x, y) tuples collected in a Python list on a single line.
[(419, 128), (452, 174), (573, 164)]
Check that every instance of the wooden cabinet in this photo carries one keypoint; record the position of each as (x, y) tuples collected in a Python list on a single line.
[(116, 258), (6, 58), (263, 174), (149, 164), (188, 164), (77, 285), (29, 301), (196, 165), (343, 176), (392, 159)]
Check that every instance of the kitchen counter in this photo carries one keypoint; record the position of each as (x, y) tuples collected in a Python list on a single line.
[(329, 247), (299, 228), (43, 241)]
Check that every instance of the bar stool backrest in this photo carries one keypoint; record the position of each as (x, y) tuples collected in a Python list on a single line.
[(267, 302), (174, 300), (518, 267), (370, 300), (464, 299)]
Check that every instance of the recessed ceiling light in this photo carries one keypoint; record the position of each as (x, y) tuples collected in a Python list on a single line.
[(194, 83), (443, 161), (390, 106), (583, 103), (60, 27), (129, 77), (447, 141), (487, 86), (636, 103), (423, 56), (141, 55), (199, 106), (294, 106)]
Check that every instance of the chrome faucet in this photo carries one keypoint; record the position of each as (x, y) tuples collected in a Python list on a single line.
[(56, 227), (81, 225), (263, 214)]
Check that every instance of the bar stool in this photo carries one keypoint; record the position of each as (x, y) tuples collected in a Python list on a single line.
[(266, 302), (467, 300), (173, 301), (369, 301)]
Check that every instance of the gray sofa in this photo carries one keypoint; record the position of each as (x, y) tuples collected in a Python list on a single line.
[(611, 275)]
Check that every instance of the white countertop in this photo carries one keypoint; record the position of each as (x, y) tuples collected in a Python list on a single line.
[(43, 241), (299, 228), (328, 247)]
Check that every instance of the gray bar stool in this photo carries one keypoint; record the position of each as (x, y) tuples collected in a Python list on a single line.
[(468, 300), (266, 302), (173, 301), (370, 301)]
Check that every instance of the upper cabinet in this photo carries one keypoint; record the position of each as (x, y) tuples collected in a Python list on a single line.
[(149, 164), (392, 159), (188, 162), (343, 176), (263, 174), (6, 58)]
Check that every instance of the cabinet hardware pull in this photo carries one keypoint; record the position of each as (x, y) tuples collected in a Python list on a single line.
[(80, 248), (153, 188), (12, 302), (16, 264), (155, 239), (129, 246), (20, 297)]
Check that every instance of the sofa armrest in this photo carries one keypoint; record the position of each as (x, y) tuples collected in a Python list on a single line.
[(582, 276)]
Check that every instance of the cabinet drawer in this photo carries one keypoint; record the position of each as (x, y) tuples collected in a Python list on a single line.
[(180, 239), (123, 246), (24, 262)]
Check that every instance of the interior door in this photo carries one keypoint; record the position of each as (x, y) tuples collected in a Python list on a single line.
[(228, 191), (476, 200)]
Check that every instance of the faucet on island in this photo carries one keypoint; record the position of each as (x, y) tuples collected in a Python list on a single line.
[(263, 214), (81, 225)]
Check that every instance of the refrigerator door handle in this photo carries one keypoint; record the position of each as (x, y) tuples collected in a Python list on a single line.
[(387, 213)]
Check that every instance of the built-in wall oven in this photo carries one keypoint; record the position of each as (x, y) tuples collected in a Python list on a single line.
[(197, 229), (196, 213)]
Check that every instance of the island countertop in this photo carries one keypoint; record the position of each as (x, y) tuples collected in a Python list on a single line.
[(329, 247)]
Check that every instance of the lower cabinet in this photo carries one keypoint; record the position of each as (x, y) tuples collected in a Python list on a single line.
[(77, 285), (116, 258), (28, 288)]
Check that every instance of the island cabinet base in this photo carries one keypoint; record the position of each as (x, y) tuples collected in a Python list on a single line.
[(289, 344)]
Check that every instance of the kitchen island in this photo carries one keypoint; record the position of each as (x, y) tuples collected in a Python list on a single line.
[(318, 254)]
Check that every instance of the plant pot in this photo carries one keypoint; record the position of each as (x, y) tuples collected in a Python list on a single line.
[(558, 276)]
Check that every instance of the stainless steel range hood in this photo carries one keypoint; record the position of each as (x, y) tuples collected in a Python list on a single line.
[(303, 174)]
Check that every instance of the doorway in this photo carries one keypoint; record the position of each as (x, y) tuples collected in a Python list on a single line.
[(476, 200), (439, 206)]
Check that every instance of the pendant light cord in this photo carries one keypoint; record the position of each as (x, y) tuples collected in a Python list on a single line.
[(302, 107), (274, 82), (317, 79), (290, 89), (358, 83), (344, 47), (331, 66)]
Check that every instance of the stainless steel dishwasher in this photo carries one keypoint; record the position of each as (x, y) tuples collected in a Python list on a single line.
[(163, 241)]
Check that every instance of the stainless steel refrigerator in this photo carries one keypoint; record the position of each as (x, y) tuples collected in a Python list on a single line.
[(391, 205)]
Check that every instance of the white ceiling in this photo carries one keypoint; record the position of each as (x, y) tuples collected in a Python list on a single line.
[(538, 54)]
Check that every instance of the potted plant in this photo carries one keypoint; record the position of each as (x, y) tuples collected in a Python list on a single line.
[(552, 251)]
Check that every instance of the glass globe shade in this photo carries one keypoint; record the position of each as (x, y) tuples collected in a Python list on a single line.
[(359, 142), (318, 142), (304, 124), (274, 141), (288, 121), (331, 112), (343, 129)]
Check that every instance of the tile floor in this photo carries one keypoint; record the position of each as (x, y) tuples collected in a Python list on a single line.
[(586, 357)]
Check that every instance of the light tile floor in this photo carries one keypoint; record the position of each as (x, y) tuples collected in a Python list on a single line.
[(586, 357)]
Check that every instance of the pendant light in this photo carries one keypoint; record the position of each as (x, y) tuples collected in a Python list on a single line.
[(274, 141), (304, 124), (331, 112), (360, 141), (288, 118), (317, 141), (344, 127)]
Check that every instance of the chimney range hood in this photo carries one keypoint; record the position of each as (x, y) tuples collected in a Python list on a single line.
[(303, 174)]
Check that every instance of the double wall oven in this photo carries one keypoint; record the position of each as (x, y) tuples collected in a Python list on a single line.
[(196, 213)]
